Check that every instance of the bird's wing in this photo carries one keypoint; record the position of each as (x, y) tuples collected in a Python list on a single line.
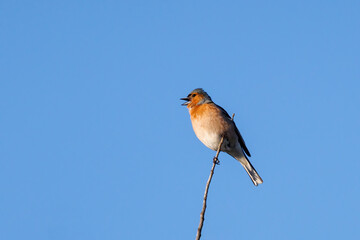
[(240, 138), (242, 142)]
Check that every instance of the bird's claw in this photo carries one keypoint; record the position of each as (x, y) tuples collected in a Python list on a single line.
[(216, 161)]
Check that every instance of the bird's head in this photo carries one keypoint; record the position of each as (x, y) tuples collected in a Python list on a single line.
[(196, 97)]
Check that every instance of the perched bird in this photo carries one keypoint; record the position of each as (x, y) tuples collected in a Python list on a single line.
[(210, 122)]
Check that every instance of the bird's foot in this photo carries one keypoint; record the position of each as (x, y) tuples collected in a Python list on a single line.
[(216, 161)]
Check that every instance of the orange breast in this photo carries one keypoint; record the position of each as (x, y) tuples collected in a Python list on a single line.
[(208, 116), (201, 110)]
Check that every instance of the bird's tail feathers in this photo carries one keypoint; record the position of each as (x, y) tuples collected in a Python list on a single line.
[(254, 176)]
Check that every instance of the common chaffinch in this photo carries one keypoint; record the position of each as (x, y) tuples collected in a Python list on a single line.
[(210, 122)]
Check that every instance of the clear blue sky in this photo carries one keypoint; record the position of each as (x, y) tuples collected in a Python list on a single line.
[(95, 145)]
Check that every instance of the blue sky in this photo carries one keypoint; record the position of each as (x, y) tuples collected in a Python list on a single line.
[(95, 145)]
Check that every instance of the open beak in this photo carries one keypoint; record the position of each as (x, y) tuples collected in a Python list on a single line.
[(185, 103)]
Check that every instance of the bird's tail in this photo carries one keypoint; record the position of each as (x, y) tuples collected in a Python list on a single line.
[(255, 178)]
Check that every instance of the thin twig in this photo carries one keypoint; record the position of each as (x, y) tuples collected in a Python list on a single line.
[(215, 162)]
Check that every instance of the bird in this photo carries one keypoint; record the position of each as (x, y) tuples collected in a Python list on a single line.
[(211, 122)]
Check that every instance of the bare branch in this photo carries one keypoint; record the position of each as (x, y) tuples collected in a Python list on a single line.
[(215, 162)]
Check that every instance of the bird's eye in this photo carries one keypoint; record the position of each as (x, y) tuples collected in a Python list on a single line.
[(193, 95)]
